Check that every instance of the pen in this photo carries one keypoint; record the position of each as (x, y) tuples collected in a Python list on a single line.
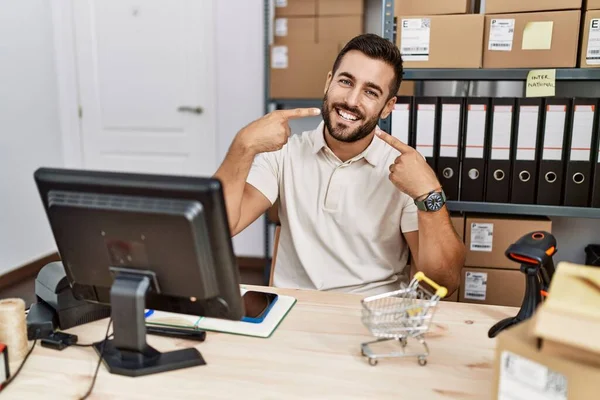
[(177, 333)]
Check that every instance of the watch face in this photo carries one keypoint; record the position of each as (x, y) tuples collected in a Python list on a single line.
[(434, 202)]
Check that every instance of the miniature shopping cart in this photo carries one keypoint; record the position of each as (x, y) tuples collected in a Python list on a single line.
[(399, 315)]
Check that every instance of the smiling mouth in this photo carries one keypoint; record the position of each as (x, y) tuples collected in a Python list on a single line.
[(346, 116)]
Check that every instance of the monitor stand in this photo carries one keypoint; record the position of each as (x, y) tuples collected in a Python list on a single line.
[(128, 353)]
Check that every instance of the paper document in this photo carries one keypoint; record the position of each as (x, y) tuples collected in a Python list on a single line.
[(265, 329)]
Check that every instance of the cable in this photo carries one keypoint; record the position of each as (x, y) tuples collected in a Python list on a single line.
[(91, 344), (85, 396), (13, 376)]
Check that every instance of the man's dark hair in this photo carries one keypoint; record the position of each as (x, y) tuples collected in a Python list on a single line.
[(378, 48)]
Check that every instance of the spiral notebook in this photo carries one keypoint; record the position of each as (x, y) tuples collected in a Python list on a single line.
[(264, 329)]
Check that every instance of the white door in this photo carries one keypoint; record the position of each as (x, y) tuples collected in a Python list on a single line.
[(146, 85)]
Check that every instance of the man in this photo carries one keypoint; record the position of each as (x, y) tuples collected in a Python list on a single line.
[(351, 198)]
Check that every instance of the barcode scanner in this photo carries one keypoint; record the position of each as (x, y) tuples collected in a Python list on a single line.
[(534, 251)]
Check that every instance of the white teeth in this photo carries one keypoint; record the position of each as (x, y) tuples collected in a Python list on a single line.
[(347, 116)]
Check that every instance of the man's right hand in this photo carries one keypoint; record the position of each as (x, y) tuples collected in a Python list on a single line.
[(271, 132)]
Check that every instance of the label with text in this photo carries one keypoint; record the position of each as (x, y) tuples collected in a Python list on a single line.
[(281, 27), (482, 236), (414, 43), (592, 56), (501, 34), (475, 285), (279, 57), (524, 379)]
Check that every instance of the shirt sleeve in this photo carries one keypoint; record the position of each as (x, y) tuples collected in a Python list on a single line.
[(264, 174), (409, 221)]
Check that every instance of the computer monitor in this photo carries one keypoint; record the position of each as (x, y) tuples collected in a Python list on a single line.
[(141, 241)]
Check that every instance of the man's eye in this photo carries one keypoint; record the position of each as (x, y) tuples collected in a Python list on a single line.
[(345, 81)]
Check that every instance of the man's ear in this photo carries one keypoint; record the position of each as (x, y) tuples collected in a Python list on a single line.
[(389, 106), (328, 82)]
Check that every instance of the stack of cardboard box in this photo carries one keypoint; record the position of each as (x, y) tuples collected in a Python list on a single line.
[(307, 36), (531, 34), (488, 276), (590, 36), (439, 33)]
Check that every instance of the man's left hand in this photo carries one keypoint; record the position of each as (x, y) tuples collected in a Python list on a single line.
[(410, 172)]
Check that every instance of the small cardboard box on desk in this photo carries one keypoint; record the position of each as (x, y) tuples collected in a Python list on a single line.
[(555, 354)]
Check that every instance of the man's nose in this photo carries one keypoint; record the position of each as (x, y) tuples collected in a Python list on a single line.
[(353, 97)]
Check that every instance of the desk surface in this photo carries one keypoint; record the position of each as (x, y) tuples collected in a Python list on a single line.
[(314, 353)]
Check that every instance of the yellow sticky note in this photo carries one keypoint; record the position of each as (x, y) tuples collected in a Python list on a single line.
[(541, 83), (538, 35)]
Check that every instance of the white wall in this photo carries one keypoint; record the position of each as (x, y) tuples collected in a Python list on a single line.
[(240, 89), (29, 128)]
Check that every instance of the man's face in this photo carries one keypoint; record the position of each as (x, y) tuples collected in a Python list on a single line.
[(357, 97)]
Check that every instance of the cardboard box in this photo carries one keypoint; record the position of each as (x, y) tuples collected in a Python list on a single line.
[(458, 221), (289, 31), (548, 376), (531, 40), (441, 41), (515, 6), (453, 297), (338, 29), (592, 5), (488, 237), (295, 8), (431, 7), (300, 71), (407, 88), (590, 40), (340, 7), (569, 319), (500, 287)]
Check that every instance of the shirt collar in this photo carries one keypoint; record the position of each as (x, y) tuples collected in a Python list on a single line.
[(372, 154)]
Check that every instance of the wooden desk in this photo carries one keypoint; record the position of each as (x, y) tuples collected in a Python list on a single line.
[(315, 353)]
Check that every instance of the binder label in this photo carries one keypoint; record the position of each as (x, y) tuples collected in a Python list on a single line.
[(592, 56), (281, 27), (400, 119), (280, 3), (501, 34), (475, 131), (475, 285), (524, 379), (527, 139), (450, 130), (501, 127), (554, 132), (425, 129), (279, 57), (414, 39), (581, 136), (482, 236)]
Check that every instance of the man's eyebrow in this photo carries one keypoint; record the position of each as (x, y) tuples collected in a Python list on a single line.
[(369, 84)]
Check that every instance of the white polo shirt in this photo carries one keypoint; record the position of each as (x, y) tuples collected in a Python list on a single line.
[(341, 222)]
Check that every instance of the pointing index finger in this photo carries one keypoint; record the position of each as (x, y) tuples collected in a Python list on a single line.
[(300, 113), (393, 141)]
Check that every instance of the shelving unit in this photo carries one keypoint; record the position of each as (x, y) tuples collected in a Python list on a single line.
[(570, 82)]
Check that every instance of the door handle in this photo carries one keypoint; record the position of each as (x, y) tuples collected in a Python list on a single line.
[(195, 110)]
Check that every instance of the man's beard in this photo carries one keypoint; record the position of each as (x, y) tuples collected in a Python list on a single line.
[(343, 133)]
